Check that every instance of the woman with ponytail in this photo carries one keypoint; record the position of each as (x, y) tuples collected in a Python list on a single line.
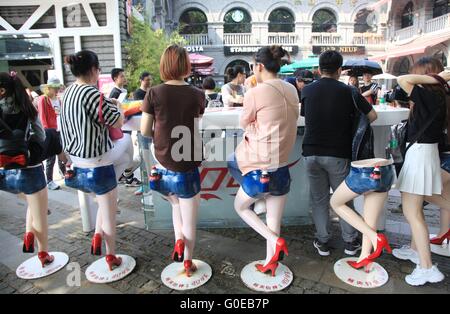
[(22, 149), (233, 92), (260, 163)]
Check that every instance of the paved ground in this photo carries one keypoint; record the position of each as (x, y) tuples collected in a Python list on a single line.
[(226, 250)]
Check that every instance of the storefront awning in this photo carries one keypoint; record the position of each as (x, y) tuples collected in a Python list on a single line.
[(416, 47)]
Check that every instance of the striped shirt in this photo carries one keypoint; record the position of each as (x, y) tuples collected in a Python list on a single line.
[(81, 131)]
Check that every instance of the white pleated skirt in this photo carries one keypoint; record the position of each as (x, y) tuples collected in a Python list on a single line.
[(421, 171)]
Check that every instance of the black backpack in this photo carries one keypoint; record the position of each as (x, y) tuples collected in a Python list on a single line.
[(14, 150)]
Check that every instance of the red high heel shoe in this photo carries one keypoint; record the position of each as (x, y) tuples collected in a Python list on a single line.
[(280, 250), (382, 243), (189, 267), (366, 263), (272, 267), (45, 258), (439, 241), (28, 243), (113, 261), (178, 251), (96, 246)]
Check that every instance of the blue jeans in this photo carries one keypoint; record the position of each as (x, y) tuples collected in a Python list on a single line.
[(26, 180), (181, 184), (279, 180), (99, 180), (360, 181)]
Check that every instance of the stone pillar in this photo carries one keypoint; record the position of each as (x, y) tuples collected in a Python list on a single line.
[(304, 31), (215, 33), (346, 29), (260, 32)]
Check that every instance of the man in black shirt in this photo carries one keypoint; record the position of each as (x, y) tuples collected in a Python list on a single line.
[(329, 110), (119, 79), (146, 83)]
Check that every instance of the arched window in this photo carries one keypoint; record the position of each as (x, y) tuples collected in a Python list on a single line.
[(402, 67), (193, 21), (408, 15), (366, 22), (237, 20), (441, 7), (281, 20), (324, 21)]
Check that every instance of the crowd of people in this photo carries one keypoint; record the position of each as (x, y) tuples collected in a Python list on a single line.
[(79, 130)]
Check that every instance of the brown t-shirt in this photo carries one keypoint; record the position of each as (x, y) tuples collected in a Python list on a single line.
[(176, 109)]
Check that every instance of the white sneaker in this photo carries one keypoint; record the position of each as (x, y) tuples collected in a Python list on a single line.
[(406, 253), (421, 276), (52, 186)]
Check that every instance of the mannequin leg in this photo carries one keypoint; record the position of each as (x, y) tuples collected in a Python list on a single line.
[(241, 205), (99, 220), (189, 211), (275, 207), (107, 207), (37, 218), (176, 217), (373, 206), (413, 210), (340, 197)]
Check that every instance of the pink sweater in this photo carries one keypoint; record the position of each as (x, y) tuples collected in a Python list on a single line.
[(269, 119)]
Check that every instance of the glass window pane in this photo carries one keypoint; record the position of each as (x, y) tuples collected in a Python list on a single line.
[(324, 21)]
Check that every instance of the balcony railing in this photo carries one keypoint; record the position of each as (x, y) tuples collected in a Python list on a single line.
[(405, 33), (368, 39), (282, 39), (325, 39), (238, 39), (438, 23), (196, 39)]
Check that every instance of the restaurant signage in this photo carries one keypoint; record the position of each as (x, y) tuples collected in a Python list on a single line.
[(250, 50), (194, 48), (347, 50)]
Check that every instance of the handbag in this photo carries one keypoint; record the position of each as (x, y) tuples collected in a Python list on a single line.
[(114, 133), (14, 150), (363, 138)]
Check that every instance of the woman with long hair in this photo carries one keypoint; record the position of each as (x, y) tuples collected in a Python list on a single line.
[(23, 173)]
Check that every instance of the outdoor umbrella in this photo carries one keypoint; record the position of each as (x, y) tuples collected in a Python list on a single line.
[(384, 76), (198, 59), (306, 64), (360, 66)]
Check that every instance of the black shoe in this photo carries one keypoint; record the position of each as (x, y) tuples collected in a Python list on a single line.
[(351, 248), (133, 182), (122, 179), (322, 248)]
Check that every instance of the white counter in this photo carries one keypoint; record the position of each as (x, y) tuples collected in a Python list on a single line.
[(228, 118)]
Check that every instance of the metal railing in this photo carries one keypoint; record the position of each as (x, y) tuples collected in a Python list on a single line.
[(368, 39), (238, 39), (438, 23), (282, 39), (326, 39), (405, 33), (196, 39)]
